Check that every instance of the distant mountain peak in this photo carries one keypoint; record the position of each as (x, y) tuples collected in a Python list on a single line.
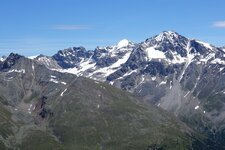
[(11, 60), (167, 38), (13, 56), (167, 35), (70, 56), (123, 43)]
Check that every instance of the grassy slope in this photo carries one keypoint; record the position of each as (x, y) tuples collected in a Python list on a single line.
[(6, 125), (118, 123), (38, 140), (98, 116)]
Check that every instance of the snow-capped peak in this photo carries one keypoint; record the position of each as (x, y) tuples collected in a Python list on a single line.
[(123, 43), (166, 35)]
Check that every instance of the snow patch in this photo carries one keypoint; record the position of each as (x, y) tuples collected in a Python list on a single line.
[(153, 78), (196, 83), (171, 84), (106, 71), (63, 92), (186, 94), (29, 109), (163, 82), (221, 69), (80, 69), (208, 57), (127, 74), (54, 80), (142, 81), (18, 71), (45, 60), (102, 87), (196, 107), (140, 90), (64, 83), (188, 60), (154, 54), (2, 59), (33, 57), (32, 66), (53, 76), (218, 61), (177, 59)]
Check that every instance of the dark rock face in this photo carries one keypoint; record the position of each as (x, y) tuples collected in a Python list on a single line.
[(117, 74), (69, 57), (155, 68), (198, 48), (106, 61), (98, 52), (10, 61), (137, 59)]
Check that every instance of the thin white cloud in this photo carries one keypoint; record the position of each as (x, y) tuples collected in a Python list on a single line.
[(71, 27), (219, 24)]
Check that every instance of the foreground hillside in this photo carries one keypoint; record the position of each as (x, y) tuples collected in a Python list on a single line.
[(45, 109)]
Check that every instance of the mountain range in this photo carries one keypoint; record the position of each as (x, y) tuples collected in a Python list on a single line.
[(167, 92)]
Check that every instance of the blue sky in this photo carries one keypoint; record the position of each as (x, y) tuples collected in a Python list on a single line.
[(30, 27)]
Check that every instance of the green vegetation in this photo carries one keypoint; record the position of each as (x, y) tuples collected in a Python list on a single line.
[(2, 146), (6, 125), (5, 122), (38, 140), (33, 96), (98, 116), (94, 116)]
